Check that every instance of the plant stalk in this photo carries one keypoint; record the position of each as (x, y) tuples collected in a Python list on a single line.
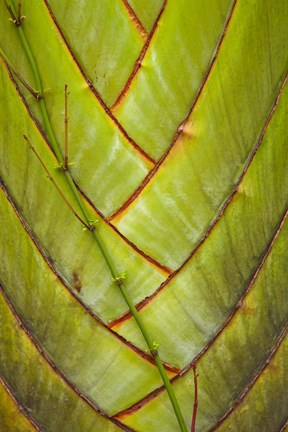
[(106, 255)]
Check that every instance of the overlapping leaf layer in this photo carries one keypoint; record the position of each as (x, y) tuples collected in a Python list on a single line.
[(176, 131)]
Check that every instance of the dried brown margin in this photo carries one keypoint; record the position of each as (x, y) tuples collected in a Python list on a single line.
[(242, 396), (138, 62), (135, 19), (180, 129), (105, 219), (94, 91), (143, 354), (138, 405), (55, 369), (226, 204)]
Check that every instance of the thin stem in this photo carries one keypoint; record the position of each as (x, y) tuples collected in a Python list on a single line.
[(54, 183), (195, 407), (115, 275), (152, 345), (66, 127), (11, 67)]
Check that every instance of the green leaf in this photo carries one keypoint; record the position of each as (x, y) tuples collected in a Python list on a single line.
[(171, 72), (12, 418), (108, 33), (178, 149), (147, 11)]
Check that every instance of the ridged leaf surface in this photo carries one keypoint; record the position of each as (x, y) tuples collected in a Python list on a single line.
[(177, 113)]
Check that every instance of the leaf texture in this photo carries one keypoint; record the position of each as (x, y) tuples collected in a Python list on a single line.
[(176, 131), (147, 11), (106, 46)]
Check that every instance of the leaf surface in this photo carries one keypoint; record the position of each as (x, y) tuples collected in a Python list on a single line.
[(177, 114), (147, 11), (172, 69), (108, 33)]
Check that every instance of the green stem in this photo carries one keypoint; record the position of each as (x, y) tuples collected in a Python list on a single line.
[(7, 61), (157, 359), (118, 281)]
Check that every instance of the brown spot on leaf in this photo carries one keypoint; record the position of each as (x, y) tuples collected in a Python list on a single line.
[(273, 368), (76, 282), (247, 309)]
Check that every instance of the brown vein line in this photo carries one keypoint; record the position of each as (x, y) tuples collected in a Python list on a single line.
[(253, 381), (57, 371), (135, 407), (135, 19), (21, 409), (115, 229), (138, 63), (94, 91), (180, 129), (283, 428), (167, 270), (226, 204), (144, 355)]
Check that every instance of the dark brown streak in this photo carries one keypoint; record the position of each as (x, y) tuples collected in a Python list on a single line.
[(180, 128), (148, 299), (195, 405), (242, 396), (135, 19), (238, 305), (140, 58), (37, 124), (129, 242), (144, 355), (55, 368), (96, 94), (21, 409)]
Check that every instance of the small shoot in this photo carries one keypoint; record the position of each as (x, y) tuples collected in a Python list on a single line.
[(16, 19), (61, 166), (88, 227), (154, 351), (92, 225), (120, 278)]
